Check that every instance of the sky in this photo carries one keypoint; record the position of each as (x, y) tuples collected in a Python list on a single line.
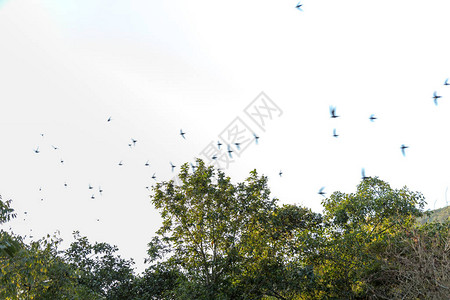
[(218, 71)]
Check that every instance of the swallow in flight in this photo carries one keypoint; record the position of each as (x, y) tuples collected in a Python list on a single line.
[(333, 112), (403, 147)]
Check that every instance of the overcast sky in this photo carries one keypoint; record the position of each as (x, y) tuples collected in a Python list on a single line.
[(157, 67)]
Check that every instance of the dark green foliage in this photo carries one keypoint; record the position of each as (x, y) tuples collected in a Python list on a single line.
[(220, 240), (98, 268), (225, 238)]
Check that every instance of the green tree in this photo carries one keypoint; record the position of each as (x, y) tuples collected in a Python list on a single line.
[(37, 272), (356, 231), (8, 245), (98, 268), (229, 240)]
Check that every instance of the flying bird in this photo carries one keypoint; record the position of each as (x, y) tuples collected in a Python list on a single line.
[(92, 197), (62, 161), (36, 150), (120, 163), (90, 187), (363, 174), (321, 192), (238, 146), (334, 133), (256, 138), (446, 82), (333, 112), (229, 151), (100, 190), (154, 176), (109, 119), (182, 133), (435, 97), (281, 173), (173, 166), (403, 147), (193, 167), (56, 148), (372, 118), (134, 142), (147, 164), (299, 6), (214, 157), (218, 144), (65, 184)]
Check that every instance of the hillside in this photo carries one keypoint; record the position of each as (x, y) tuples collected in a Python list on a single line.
[(439, 215)]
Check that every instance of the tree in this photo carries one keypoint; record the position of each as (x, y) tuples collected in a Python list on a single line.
[(99, 269), (8, 245), (228, 241), (37, 272), (417, 263), (355, 234)]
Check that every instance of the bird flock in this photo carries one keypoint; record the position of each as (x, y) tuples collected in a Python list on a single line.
[(96, 191), (372, 118), (133, 142)]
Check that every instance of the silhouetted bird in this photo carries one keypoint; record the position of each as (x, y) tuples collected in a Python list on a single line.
[(372, 118), (109, 119), (403, 147), (214, 157), (42, 134), (65, 184), (153, 176), (147, 164), (182, 133), (229, 151), (62, 161), (435, 97), (120, 163), (281, 173), (334, 133), (256, 138), (446, 82), (299, 6), (173, 166), (56, 148), (193, 167), (321, 192), (363, 174), (92, 197), (218, 144), (100, 190), (36, 150), (333, 112), (238, 146), (90, 187), (134, 142)]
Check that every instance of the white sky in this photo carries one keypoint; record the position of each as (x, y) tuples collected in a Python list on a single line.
[(156, 67)]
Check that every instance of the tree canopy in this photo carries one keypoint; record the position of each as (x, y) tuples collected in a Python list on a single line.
[(225, 240)]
